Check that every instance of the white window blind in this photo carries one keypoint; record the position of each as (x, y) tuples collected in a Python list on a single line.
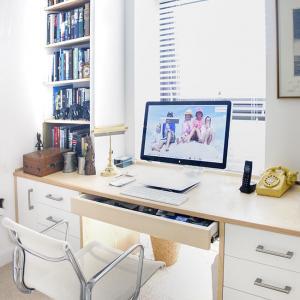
[(214, 49)]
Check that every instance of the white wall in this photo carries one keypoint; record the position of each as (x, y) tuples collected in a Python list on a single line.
[(283, 121), (109, 71), (143, 71), (20, 95)]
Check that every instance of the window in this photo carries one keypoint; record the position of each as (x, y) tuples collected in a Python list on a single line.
[(215, 49)]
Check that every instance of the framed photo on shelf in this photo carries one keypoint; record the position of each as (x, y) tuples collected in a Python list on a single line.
[(288, 48)]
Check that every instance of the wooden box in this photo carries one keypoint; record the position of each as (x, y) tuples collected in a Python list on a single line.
[(45, 162)]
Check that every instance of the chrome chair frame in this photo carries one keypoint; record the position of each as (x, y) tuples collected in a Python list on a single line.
[(87, 286)]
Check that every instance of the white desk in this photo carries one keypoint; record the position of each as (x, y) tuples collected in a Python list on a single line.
[(217, 198)]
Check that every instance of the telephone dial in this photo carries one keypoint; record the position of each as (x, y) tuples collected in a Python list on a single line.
[(276, 181)]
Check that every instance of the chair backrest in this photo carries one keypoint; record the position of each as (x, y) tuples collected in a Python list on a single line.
[(49, 264)]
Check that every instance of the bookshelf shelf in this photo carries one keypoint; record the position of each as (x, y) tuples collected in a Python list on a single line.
[(67, 122), (65, 5), (82, 40), (66, 82)]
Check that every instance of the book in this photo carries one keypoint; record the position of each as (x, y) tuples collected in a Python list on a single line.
[(81, 22), (87, 19), (71, 103), (68, 64)]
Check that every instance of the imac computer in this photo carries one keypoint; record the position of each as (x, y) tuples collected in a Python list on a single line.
[(186, 133)]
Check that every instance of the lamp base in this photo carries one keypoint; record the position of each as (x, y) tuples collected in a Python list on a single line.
[(109, 171)]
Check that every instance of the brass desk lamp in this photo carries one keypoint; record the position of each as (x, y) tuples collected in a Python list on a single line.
[(110, 169)]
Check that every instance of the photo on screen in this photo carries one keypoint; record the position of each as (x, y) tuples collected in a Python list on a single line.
[(192, 132)]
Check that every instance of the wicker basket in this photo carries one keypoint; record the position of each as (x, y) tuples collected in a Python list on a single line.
[(166, 251)]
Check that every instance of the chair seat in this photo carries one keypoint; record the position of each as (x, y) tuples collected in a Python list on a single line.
[(118, 284)]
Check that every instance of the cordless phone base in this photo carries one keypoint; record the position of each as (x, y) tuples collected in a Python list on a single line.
[(248, 189)]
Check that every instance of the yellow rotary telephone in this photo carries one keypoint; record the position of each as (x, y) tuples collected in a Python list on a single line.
[(276, 181)]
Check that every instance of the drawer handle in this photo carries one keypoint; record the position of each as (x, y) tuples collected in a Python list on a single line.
[(50, 196), (51, 219), (262, 249), (30, 206), (259, 282)]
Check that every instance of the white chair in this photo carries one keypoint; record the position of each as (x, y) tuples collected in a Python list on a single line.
[(48, 265)]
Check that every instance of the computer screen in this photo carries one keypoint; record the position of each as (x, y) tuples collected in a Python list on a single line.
[(187, 132)]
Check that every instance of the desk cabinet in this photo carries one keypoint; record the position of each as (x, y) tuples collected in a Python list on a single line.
[(261, 263), (40, 205)]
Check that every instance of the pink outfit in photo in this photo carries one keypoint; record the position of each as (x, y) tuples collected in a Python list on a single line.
[(197, 123)]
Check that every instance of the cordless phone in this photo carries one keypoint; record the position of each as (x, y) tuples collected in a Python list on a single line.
[(246, 186)]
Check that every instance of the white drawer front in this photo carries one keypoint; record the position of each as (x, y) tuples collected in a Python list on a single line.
[(190, 234), (48, 216), (56, 196), (230, 294), (73, 241), (274, 249), (241, 275)]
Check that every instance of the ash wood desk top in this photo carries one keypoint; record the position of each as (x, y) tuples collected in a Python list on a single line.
[(216, 198)]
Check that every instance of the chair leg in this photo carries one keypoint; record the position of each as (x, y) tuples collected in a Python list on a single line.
[(88, 292), (18, 271)]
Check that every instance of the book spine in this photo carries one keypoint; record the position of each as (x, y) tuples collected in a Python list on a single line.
[(80, 63), (87, 19), (58, 26), (55, 137), (75, 63), (55, 29), (71, 64), (67, 65), (72, 25), (81, 22), (69, 25), (62, 27), (76, 24)]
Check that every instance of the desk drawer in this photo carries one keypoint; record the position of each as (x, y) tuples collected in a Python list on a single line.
[(190, 234), (230, 294), (274, 249), (55, 196), (275, 283), (48, 215)]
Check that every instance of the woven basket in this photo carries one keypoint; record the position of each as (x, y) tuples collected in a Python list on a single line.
[(166, 251)]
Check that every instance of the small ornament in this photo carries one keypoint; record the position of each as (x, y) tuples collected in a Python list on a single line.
[(39, 145), (86, 71), (90, 158)]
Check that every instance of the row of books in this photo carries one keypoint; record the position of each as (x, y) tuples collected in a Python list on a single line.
[(70, 137), (68, 64), (68, 25), (71, 103)]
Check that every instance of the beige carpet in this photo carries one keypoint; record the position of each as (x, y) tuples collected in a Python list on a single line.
[(188, 279)]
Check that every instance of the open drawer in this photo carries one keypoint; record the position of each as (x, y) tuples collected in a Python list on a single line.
[(178, 231)]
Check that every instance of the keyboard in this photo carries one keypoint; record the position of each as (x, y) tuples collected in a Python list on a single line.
[(155, 195)]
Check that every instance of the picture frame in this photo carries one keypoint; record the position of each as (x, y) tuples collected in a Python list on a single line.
[(288, 48)]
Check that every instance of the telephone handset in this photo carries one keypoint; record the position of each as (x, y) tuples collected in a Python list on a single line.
[(276, 181)]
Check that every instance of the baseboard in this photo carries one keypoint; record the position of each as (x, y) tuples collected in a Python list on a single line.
[(6, 256)]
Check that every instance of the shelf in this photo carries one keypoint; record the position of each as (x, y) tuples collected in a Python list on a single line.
[(75, 122), (66, 82), (82, 40), (66, 5)]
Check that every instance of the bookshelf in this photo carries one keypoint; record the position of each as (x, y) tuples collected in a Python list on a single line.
[(67, 122), (66, 98), (68, 82), (73, 42)]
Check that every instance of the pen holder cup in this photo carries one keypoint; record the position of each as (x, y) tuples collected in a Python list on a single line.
[(166, 251)]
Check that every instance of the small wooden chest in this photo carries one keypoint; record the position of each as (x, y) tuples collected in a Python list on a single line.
[(45, 162)]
